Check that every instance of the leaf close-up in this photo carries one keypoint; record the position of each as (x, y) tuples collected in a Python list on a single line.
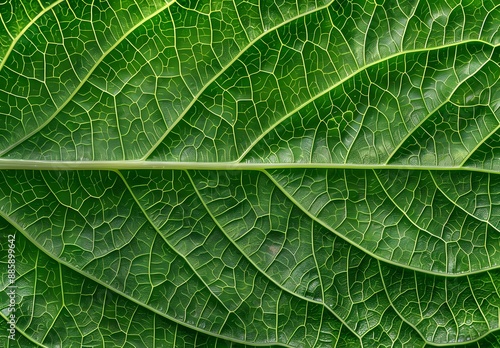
[(216, 173)]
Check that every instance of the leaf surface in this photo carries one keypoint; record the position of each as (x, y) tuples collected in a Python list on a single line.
[(225, 173)]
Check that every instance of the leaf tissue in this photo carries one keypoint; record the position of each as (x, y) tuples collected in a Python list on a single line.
[(216, 173)]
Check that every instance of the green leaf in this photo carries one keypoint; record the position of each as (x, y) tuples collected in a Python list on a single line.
[(250, 173)]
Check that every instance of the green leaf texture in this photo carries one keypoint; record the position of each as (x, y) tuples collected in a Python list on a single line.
[(225, 173)]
